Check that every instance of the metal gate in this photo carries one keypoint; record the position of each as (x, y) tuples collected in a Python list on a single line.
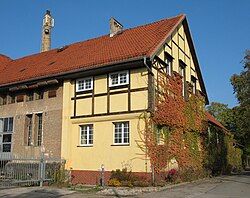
[(28, 171)]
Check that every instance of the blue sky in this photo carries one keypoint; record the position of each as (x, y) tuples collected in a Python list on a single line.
[(220, 29)]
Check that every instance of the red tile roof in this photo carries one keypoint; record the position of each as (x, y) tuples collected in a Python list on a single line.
[(3, 61), (213, 120), (132, 43)]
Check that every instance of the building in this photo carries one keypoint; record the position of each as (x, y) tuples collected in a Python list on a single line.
[(93, 95)]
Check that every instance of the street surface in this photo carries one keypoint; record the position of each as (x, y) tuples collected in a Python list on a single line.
[(236, 186)]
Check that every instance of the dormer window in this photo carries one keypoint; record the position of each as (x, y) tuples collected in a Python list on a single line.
[(84, 84), (118, 78)]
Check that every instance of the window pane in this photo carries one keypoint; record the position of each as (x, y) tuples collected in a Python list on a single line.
[(10, 127), (5, 126), (114, 79), (123, 78), (6, 147), (88, 84), (80, 85), (7, 138), (1, 125)]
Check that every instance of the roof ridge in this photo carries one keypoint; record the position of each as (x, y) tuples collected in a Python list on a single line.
[(99, 37), (158, 21)]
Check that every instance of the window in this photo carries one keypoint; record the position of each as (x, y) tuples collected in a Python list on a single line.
[(121, 133), (3, 100), (52, 93), (118, 78), (84, 84), (29, 96), (193, 83), (39, 95), (86, 135), (11, 99), (20, 98), (39, 120), (29, 129), (168, 61), (183, 74), (6, 130)]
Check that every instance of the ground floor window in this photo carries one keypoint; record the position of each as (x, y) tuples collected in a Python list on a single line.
[(6, 131), (86, 135), (121, 133)]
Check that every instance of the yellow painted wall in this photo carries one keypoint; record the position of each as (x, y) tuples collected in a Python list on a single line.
[(103, 151)]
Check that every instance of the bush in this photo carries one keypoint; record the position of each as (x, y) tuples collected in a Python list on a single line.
[(127, 183), (172, 175), (114, 182), (121, 175), (141, 183), (128, 179)]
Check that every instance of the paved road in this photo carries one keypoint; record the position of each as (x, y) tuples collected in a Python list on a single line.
[(237, 186)]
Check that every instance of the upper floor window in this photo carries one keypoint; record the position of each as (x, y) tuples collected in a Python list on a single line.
[(3, 100), (6, 125), (12, 99), (20, 98), (84, 84), (52, 93), (86, 135), (39, 95), (29, 125), (193, 82), (183, 74), (29, 96), (169, 62), (39, 124), (121, 133), (118, 78)]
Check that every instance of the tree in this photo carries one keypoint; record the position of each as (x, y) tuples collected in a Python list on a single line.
[(241, 85), (223, 114)]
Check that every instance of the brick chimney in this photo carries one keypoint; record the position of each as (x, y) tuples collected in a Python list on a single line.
[(115, 27), (48, 24)]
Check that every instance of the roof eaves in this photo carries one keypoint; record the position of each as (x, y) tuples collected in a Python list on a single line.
[(153, 52), (72, 71)]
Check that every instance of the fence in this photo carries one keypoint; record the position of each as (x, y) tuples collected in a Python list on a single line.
[(28, 171)]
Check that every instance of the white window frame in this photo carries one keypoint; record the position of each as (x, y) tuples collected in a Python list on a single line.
[(88, 129), (119, 77), (84, 81), (114, 127), (169, 67)]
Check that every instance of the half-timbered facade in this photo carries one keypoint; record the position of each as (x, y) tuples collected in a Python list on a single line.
[(103, 107), (104, 86)]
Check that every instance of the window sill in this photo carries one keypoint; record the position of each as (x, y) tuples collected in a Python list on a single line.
[(120, 144), (118, 86), (84, 92), (85, 146)]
